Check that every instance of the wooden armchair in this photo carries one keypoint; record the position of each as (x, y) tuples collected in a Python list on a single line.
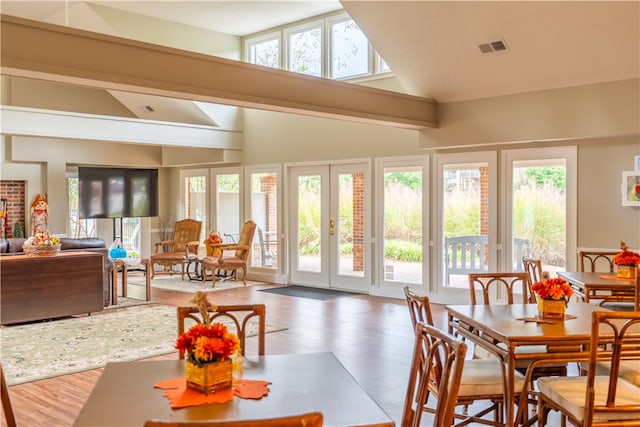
[(231, 262), (533, 268), (185, 242)]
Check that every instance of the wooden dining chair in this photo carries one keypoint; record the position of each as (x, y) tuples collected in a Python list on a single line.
[(240, 315), (533, 268), (7, 408), (311, 419), (419, 307), (504, 285), (482, 379), (436, 368), (594, 261), (508, 283), (599, 400)]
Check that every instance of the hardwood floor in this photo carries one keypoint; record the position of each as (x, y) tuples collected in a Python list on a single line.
[(371, 336)]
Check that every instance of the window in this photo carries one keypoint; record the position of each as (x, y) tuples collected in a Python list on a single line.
[(304, 52), (343, 53), (265, 51), (264, 211), (349, 50), (78, 227)]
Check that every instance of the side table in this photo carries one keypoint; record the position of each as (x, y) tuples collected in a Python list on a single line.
[(119, 262)]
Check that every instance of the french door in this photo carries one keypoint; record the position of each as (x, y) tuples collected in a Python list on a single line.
[(329, 226)]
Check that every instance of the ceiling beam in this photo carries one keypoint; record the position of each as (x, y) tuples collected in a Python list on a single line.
[(50, 52)]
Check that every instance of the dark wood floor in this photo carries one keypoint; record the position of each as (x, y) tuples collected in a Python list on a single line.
[(371, 336)]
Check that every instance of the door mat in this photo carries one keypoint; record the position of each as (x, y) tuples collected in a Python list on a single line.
[(307, 292)]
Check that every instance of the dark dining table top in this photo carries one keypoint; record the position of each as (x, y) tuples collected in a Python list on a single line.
[(125, 395)]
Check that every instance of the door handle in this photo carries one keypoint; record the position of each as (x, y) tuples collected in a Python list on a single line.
[(332, 226)]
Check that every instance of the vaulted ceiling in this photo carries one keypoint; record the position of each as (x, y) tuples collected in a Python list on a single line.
[(435, 47)]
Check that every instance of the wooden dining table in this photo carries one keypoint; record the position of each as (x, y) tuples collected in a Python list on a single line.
[(502, 329), (125, 395), (600, 286)]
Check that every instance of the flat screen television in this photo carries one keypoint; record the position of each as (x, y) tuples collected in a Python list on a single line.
[(117, 192)]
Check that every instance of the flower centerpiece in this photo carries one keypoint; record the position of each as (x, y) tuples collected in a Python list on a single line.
[(212, 241), (209, 348), (626, 262), (553, 296), (41, 243)]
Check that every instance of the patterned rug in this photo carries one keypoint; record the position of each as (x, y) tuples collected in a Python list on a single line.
[(60, 347), (175, 283)]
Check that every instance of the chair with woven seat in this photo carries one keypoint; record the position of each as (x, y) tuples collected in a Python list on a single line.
[(239, 315), (436, 368), (231, 262), (311, 419), (599, 400), (482, 379), (508, 282), (184, 244)]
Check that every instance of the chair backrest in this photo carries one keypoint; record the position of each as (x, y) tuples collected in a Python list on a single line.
[(239, 315), (636, 291), (246, 239), (419, 307), (487, 283), (7, 408), (615, 336), (186, 231), (533, 268), (597, 260), (438, 359), (312, 419)]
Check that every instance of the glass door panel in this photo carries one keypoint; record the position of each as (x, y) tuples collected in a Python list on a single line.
[(402, 228), (264, 211)]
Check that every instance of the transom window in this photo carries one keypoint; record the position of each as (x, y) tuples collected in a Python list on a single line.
[(331, 46)]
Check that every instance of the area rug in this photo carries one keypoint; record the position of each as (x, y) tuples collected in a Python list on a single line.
[(307, 292), (175, 283), (49, 349)]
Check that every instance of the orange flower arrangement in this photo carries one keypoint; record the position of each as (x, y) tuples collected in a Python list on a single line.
[(553, 289), (204, 344), (626, 257), (207, 342)]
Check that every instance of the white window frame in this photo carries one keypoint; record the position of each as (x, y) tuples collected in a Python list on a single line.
[(276, 275), (343, 17), (272, 35), (308, 26)]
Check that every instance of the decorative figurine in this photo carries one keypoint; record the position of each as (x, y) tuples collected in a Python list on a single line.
[(39, 212)]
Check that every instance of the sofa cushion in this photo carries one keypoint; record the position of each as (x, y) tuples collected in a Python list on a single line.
[(81, 243)]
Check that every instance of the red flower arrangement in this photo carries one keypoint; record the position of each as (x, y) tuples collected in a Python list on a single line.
[(208, 343), (626, 257), (553, 289)]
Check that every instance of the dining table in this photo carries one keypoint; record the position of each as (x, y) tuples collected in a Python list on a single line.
[(606, 287), (126, 394), (504, 328)]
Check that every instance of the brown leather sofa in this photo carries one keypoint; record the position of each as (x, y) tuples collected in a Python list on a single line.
[(13, 246)]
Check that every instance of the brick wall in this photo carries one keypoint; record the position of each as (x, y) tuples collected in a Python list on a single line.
[(14, 193)]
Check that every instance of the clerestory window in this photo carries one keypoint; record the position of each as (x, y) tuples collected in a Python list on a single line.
[(331, 46)]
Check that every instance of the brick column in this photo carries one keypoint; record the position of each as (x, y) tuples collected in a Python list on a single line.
[(14, 193), (358, 222)]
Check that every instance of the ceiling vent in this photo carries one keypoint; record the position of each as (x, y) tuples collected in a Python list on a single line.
[(495, 46)]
